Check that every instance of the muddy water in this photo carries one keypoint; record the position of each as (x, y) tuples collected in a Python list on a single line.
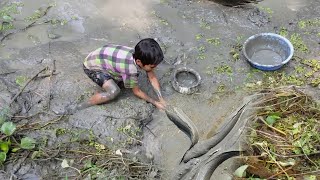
[(186, 79), (266, 57), (175, 24)]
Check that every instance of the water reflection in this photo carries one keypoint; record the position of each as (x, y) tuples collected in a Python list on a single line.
[(295, 5)]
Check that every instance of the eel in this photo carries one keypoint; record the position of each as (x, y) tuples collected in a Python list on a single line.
[(181, 120), (235, 3), (204, 146), (206, 171)]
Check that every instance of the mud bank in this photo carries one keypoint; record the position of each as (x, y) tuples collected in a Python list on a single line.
[(199, 34)]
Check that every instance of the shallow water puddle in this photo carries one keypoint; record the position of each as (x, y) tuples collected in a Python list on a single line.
[(266, 57), (186, 79)]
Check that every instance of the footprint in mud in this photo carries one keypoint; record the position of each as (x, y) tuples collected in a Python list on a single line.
[(258, 17)]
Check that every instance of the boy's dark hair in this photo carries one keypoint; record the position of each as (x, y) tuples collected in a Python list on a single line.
[(148, 52)]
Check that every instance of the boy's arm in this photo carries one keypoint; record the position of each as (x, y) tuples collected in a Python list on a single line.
[(155, 84), (138, 92)]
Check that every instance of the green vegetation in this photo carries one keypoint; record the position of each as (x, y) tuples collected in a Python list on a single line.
[(236, 48), (267, 10), (199, 36), (298, 43), (132, 132), (10, 9), (204, 24), (201, 54), (221, 88), (284, 136), (224, 69), (305, 72), (21, 80), (283, 32), (303, 24), (214, 41), (209, 71), (9, 139), (6, 16)]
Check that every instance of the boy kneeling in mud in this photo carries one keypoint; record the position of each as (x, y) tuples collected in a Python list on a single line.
[(113, 64)]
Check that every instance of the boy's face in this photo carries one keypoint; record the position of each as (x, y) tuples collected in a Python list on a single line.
[(147, 68)]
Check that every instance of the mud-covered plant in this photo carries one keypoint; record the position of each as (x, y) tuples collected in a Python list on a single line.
[(21, 80), (214, 41), (236, 48), (6, 15), (309, 23), (224, 69), (283, 31), (267, 10), (199, 36), (204, 24), (39, 13), (221, 88), (4, 114), (201, 54), (298, 43), (235, 54)]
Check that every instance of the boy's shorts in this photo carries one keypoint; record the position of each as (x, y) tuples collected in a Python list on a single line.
[(100, 77)]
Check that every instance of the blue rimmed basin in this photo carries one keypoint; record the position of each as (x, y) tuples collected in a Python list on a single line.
[(267, 51)]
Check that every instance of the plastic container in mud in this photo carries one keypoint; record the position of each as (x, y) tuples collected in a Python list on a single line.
[(267, 51), (185, 80)]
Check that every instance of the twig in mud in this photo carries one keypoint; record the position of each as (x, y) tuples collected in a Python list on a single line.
[(28, 126), (275, 161), (281, 172), (28, 26), (295, 155), (304, 173), (47, 75), (50, 78), (28, 117), (21, 90), (279, 131), (133, 138), (150, 130), (85, 157), (51, 122), (17, 166), (269, 135), (123, 160), (6, 73), (83, 152)]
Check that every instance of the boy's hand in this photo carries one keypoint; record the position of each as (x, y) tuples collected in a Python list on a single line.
[(163, 102), (159, 105)]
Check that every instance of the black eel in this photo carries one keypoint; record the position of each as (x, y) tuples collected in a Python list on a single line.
[(206, 171), (204, 146), (235, 3), (181, 120)]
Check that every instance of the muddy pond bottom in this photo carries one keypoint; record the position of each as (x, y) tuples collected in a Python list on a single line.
[(266, 57)]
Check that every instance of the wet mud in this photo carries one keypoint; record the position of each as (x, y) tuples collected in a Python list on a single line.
[(196, 34)]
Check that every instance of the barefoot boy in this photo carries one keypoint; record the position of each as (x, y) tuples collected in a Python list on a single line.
[(112, 64)]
